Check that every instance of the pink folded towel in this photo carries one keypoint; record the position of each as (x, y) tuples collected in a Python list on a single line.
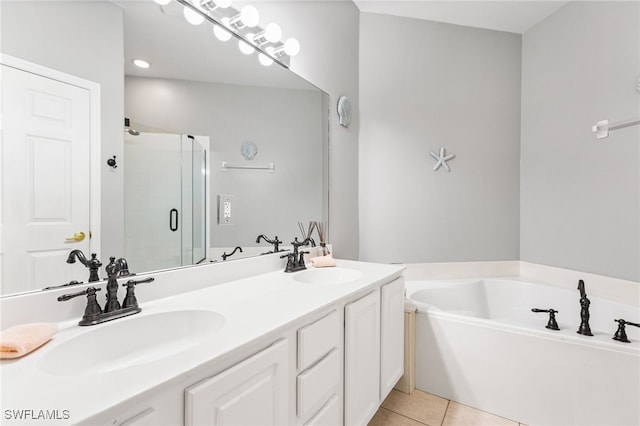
[(19, 340), (323, 261)]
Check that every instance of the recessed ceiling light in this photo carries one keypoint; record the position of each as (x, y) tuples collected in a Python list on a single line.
[(141, 63)]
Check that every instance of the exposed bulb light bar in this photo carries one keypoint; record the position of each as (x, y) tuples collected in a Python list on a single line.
[(245, 47), (220, 32), (211, 5), (248, 17), (291, 47), (228, 21), (192, 17), (271, 34), (264, 59)]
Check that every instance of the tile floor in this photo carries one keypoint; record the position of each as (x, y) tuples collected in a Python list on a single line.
[(421, 408)]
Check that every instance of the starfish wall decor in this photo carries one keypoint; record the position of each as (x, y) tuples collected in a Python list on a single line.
[(441, 159)]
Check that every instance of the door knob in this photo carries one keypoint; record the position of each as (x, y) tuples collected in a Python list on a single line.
[(78, 236)]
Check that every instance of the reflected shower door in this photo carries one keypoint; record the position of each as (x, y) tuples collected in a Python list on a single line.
[(152, 201), (165, 201), (199, 200)]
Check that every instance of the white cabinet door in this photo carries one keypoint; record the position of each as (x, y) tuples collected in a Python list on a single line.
[(391, 335), (362, 359), (253, 392)]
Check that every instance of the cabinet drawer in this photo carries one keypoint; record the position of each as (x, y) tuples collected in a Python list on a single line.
[(328, 415), (317, 339), (318, 384)]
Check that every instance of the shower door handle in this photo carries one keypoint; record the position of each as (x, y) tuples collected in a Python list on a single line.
[(173, 220)]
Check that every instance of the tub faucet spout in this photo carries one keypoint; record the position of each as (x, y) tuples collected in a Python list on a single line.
[(584, 328)]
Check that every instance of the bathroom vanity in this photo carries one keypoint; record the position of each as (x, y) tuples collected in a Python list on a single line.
[(316, 347)]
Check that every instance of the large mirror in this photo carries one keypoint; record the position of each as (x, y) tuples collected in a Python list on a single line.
[(217, 150)]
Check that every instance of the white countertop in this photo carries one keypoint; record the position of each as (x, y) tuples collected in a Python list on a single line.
[(252, 308)]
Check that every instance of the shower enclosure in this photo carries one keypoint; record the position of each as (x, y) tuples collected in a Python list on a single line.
[(165, 200)]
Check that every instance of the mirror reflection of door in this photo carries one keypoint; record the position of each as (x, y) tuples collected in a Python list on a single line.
[(165, 200), (45, 180)]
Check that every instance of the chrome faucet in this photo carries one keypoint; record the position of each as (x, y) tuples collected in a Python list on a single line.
[(93, 264), (584, 328)]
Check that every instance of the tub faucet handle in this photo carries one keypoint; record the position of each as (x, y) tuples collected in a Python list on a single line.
[(621, 334), (552, 324)]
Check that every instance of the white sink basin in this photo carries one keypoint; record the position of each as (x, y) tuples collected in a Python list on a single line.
[(131, 341), (335, 275)]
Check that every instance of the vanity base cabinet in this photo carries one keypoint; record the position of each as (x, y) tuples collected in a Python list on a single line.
[(391, 335), (318, 381), (362, 359), (253, 392)]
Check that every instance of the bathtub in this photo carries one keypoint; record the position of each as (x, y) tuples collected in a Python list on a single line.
[(478, 343)]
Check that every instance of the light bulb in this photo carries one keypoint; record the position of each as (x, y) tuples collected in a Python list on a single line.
[(192, 17), (291, 47), (245, 47), (272, 32), (162, 2), (221, 33), (141, 63), (264, 59), (249, 16), (271, 51)]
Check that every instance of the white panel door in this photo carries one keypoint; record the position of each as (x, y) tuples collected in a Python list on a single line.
[(45, 180), (362, 359), (391, 335), (253, 392)]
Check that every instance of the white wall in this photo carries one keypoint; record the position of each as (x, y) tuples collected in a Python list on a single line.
[(84, 39), (285, 125), (580, 196), (328, 35), (424, 85)]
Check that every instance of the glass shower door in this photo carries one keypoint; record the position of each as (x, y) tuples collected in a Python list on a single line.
[(164, 201)]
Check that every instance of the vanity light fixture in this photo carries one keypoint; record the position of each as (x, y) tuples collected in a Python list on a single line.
[(211, 5), (248, 17), (192, 17), (141, 63), (228, 21), (245, 47), (291, 47), (272, 33), (264, 59), (221, 33)]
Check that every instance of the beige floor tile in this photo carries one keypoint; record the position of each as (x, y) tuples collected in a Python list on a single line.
[(462, 415), (385, 417), (420, 406)]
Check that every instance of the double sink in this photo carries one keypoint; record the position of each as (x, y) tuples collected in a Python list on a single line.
[(142, 339)]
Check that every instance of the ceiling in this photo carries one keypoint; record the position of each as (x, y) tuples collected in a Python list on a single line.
[(516, 16)]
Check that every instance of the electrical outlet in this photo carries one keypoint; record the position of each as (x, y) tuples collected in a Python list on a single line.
[(225, 209)]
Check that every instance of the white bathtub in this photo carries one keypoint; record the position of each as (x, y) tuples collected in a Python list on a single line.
[(478, 343)]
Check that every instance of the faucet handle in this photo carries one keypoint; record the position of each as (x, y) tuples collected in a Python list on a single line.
[(621, 334), (130, 299), (552, 324), (92, 311), (88, 291)]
